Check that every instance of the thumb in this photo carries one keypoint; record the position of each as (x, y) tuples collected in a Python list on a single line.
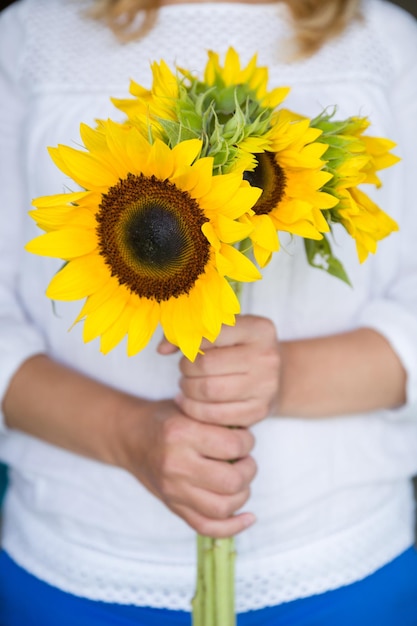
[(166, 347)]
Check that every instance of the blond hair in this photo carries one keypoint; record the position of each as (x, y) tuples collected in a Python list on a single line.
[(315, 21)]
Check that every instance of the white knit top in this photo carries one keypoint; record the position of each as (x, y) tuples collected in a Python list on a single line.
[(332, 496)]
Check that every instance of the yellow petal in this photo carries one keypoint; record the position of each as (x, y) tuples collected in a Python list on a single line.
[(84, 168), (264, 233), (204, 168), (93, 139), (114, 335), (67, 216), (142, 325), (231, 231), (242, 202), (96, 299), (275, 97), (186, 152), (231, 67), (78, 279), (98, 321), (181, 321), (223, 188), (64, 244), (59, 199), (240, 267), (117, 137), (161, 161), (165, 83), (262, 255), (219, 303)]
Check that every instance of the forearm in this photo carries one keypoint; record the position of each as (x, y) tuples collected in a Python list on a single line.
[(179, 460), (63, 407), (347, 373)]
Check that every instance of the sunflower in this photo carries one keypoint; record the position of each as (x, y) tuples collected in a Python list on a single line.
[(289, 170), (148, 241), (230, 105), (353, 159), (222, 83), (364, 221)]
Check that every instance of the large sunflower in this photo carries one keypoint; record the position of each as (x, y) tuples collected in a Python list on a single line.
[(289, 170), (149, 240)]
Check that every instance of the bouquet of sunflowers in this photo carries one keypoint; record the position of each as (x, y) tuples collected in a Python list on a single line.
[(183, 202)]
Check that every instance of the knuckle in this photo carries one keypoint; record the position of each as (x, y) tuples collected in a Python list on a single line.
[(251, 468), (222, 508), (203, 527), (215, 414), (212, 387), (195, 521), (173, 430), (235, 447), (260, 411), (204, 362), (245, 496), (232, 481), (265, 327)]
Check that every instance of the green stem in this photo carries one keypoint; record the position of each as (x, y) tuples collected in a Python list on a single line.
[(209, 577), (197, 601), (214, 600), (213, 603)]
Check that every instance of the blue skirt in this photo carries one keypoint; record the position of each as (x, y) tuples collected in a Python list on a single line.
[(386, 598)]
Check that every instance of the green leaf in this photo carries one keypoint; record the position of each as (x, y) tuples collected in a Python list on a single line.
[(320, 255), (176, 132)]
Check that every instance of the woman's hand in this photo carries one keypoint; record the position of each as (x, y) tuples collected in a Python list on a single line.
[(184, 463), (180, 460), (236, 381)]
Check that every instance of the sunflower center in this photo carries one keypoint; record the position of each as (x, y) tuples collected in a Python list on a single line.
[(154, 236), (150, 237), (269, 176)]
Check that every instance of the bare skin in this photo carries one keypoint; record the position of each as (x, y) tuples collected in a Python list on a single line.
[(179, 449), (247, 374), (178, 459)]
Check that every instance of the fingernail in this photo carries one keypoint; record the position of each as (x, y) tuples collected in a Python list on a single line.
[(250, 519)]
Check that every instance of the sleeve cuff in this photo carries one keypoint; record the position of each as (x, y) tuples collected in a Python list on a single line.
[(399, 328), (17, 344)]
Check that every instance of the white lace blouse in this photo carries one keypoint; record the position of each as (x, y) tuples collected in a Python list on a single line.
[(332, 496)]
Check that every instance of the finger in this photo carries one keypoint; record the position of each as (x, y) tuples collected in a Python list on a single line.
[(165, 347), (225, 479), (188, 439), (211, 505), (218, 529), (248, 358), (221, 388), (241, 414), (248, 329), (223, 444), (221, 361)]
